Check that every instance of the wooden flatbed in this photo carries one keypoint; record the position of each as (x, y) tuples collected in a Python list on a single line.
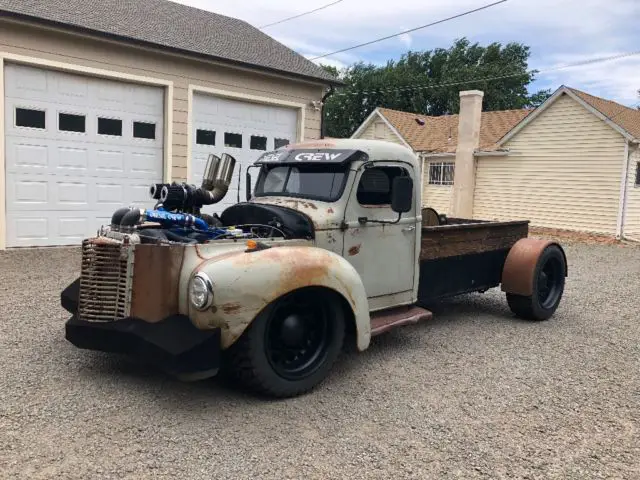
[(460, 255)]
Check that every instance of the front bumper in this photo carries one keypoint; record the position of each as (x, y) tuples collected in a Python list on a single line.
[(175, 345)]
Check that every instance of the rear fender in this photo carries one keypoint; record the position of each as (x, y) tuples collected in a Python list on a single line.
[(245, 283), (520, 266)]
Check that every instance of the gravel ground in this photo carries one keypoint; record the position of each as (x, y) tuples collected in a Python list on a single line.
[(471, 394)]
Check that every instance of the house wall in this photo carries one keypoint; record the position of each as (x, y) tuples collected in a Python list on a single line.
[(437, 197), (59, 46), (563, 171), (632, 213), (379, 130)]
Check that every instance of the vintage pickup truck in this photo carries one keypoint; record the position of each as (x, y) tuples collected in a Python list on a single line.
[(332, 246)]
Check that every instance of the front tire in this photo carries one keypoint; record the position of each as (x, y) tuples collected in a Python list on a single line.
[(548, 287), (291, 346)]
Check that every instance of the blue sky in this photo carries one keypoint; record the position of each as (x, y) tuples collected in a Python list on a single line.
[(558, 32)]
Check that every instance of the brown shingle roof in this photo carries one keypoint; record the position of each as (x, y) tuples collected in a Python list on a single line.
[(626, 118), (440, 134), (171, 25)]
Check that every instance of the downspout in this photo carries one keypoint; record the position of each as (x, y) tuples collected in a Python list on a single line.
[(326, 95), (622, 208), (626, 191)]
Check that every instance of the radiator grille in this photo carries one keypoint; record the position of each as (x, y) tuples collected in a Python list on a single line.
[(104, 280)]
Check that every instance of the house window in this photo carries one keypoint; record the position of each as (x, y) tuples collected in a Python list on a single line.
[(68, 122), (638, 174), (144, 130), (280, 142), (233, 140), (441, 173), (110, 126), (26, 117), (205, 137), (258, 143), (375, 183)]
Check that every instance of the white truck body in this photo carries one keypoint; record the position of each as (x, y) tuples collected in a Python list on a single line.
[(353, 252)]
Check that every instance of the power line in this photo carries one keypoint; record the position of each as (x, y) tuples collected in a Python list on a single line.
[(488, 79), (302, 14), (411, 30)]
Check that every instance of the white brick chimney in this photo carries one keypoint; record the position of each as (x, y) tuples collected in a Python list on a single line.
[(468, 141)]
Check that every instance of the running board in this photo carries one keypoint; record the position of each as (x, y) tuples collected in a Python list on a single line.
[(386, 320)]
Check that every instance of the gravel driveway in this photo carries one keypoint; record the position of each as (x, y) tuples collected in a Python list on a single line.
[(472, 394)]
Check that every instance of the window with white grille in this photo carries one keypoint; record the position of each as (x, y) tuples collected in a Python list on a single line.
[(441, 173)]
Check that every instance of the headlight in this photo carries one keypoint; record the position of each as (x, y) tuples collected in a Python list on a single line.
[(201, 291)]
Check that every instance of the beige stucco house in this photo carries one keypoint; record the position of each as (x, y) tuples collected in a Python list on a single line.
[(101, 99), (572, 163)]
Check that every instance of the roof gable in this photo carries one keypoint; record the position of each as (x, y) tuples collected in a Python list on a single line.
[(625, 117), (376, 115), (440, 134), (624, 120), (171, 25)]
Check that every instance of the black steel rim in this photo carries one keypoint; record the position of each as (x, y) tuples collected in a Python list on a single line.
[(550, 283), (298, 336)]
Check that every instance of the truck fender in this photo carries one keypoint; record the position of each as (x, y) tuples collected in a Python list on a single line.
[(519, 268), (245, 283)]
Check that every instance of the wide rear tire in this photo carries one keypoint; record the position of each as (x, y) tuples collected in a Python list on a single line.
[(291, 346), (548, 287)]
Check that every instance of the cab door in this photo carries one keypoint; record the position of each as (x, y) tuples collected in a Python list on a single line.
[(384, 254)]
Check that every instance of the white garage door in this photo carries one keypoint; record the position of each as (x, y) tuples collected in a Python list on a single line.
[(77, 149), (241, 129)]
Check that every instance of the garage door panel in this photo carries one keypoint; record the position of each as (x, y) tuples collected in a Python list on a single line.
[(26, 155), (54, 192), (32, 192), (22, 82), (80, 158), (147, 100), (70, 89), (225, 116), (52, 227), (62, 185), (73, 159), (110, 162)]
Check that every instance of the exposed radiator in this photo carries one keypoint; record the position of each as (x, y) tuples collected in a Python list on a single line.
[(105, 280)]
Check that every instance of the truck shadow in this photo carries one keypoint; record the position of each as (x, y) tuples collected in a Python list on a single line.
[(169, 393)]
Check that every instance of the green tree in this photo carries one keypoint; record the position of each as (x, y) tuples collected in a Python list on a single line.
[(429, 83)]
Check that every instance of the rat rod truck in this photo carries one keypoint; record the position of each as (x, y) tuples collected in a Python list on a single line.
[(332, 246)]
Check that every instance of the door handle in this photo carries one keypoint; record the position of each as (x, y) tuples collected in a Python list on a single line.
[(409, 229)]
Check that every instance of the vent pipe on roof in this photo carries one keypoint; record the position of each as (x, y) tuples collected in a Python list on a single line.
[(468, 142)]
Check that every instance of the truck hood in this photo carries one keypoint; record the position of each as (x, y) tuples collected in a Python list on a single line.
[(324, 215)]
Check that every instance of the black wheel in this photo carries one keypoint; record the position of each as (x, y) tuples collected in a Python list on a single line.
[(291, 346), (548, 287)]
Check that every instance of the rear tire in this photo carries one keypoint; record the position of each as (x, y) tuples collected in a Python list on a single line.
[(548, 287), (291, 346)]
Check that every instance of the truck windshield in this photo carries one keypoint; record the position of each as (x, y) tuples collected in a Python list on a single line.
[(323, 182)]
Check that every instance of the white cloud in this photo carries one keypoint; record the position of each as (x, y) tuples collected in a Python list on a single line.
[(617, 80), (406, 39), (557, 32)]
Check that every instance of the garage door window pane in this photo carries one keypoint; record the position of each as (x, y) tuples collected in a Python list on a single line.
[(233, 140), (280, 142), (26, 117), (69, 122), (258, 143), (110, 126), (144, 130), (205, 137)]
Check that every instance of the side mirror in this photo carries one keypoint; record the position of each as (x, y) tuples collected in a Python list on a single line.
[(402, 194)]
